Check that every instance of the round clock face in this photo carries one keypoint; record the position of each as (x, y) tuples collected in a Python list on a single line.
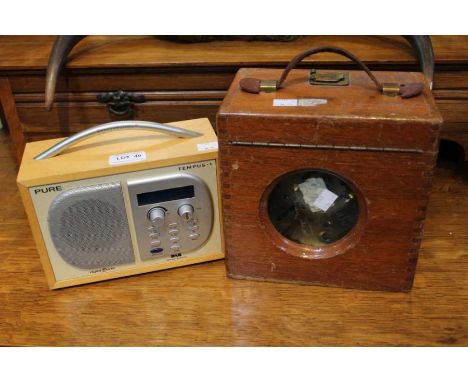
[(313, 207)]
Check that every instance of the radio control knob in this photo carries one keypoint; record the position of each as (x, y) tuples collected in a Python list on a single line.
[(186, 212), (156, 216)]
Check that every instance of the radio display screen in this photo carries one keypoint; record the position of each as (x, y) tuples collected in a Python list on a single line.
[(165, 195)]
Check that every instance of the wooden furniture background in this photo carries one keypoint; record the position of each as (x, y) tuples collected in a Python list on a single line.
[(185, 81), (199, 305)]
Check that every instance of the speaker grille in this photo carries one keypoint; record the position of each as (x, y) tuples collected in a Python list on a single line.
[(89, 226)]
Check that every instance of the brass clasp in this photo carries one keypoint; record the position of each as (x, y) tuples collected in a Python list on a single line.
[(320, 77)]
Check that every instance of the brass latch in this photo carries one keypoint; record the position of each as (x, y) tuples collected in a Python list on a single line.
[(320, 77), (390, 89), (268, 86)]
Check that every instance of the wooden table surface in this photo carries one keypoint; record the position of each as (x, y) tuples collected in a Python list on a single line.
[(199, 305)]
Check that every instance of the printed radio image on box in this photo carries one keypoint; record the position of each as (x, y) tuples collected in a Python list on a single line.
[(325, 175), (123, 198)]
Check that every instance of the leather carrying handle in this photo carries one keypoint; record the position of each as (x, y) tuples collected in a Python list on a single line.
[(326, 49), (253, 85)]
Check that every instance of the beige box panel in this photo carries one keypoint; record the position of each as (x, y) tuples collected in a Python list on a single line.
[(87, 163)]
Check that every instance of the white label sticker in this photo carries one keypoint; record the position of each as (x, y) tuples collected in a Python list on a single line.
[(312, 101), (285, 102), (325, 199), (207, 146), (299, 102), (127, 158)]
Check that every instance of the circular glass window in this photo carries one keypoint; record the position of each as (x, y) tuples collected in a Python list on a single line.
[(313, 207)]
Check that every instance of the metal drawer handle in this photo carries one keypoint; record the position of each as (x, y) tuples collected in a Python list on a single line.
[(118, 125), (120, 102)]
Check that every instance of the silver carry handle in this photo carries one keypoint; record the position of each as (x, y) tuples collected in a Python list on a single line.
[(118, 125)]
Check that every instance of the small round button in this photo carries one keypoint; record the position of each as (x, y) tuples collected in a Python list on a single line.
[(156, 250), (173, 225), (194, 228), (194, 236), (173, 232), (156, 242), (175, 247), (174, 239)]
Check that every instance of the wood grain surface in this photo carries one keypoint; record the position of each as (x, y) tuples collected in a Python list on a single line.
[(119, 51), (147, 51), (382, 249), (199, 305)]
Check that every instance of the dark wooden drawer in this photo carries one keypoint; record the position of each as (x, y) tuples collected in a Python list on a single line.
[(71, 117), (450, 79), (138, 79), (453, 110)]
